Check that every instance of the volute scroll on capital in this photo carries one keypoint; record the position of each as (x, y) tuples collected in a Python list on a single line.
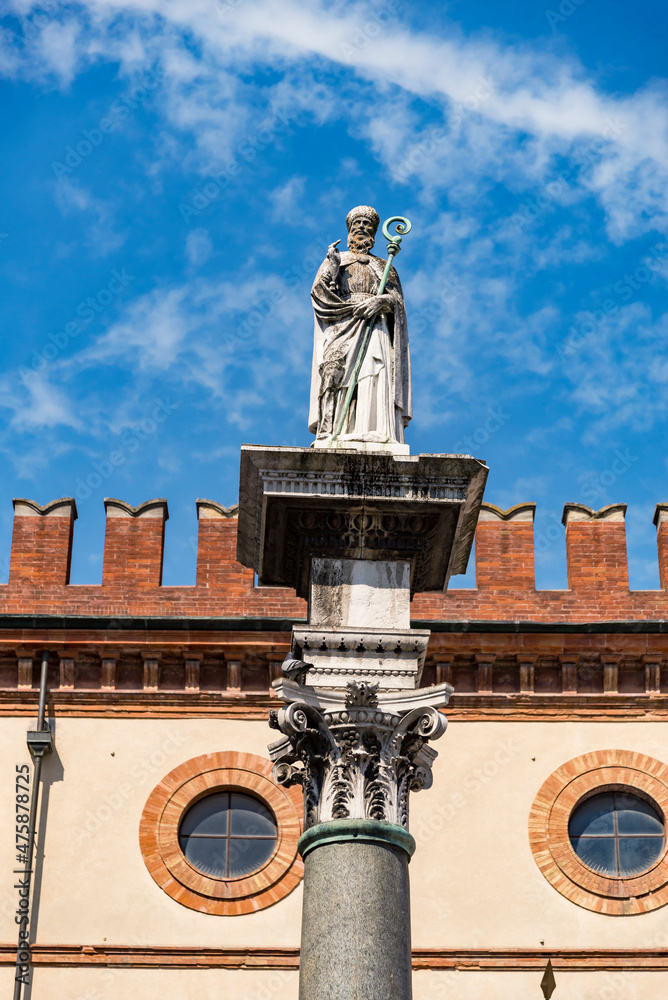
[(357, 761)]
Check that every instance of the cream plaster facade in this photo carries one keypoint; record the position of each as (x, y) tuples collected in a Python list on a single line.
[(179, 984), (474, 882)]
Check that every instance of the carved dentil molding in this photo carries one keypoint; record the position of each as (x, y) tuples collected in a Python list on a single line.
[(395, 659), (359, 761)]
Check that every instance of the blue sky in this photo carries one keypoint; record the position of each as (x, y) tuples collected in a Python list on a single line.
[(174, 170)]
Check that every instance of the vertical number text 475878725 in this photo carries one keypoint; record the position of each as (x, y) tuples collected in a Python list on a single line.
[(23, 884)]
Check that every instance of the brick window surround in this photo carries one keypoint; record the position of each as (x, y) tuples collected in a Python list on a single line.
[(566, 788), (177, 792)]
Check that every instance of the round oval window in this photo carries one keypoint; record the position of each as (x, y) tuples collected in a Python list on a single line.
[(228, 835), (617, 833)]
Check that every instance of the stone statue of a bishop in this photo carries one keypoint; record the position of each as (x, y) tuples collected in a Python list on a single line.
[(345, 299)]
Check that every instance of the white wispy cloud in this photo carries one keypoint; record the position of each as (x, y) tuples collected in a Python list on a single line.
[(37, 403), (619, 373), (287, 200), (490, 92), (198, 246), (499, 113), (228, 345), (72, 198)]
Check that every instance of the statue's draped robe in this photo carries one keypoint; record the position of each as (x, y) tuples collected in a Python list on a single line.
[(382, 406)]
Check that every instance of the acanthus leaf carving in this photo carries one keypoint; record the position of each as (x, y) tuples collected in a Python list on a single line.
[(358, 762), (361, 693)]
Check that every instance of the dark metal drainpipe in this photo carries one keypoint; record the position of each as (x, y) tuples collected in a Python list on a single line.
[(40, 741)]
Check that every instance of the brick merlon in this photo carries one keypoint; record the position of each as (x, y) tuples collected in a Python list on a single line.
[(217, 566), (504, 548), (520, 512), (42, 542), (580, 512), (64, 507), (660, 515), (210, 510), (596, 547), (134, 543), (661, 522), (150, 508)]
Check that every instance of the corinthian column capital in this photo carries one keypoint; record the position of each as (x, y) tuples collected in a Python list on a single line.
[(360, 758)]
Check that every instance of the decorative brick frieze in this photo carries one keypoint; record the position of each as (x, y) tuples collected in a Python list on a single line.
[(527, 666), (234, 675), (108, 673), (569, 674), (631, 675), (67, 673), (485, 664), (652, 662), (192, 675), (610, 674), (443, 672), (229, 675), (152, 671), (24, 667), (502, 674), (275, 671)]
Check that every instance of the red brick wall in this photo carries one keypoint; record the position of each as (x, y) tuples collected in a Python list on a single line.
[(596, 548), (217, 549), (595, 541), (133, 544), (661, 522), (504, 549), (42, 543)]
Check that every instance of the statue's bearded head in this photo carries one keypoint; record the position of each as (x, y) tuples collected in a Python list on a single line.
[(362, 224)]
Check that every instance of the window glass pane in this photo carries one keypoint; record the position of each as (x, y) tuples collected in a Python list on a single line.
[(597, 852), (250, 817), (595, 816), (208, 816), (637, 854), (209, 842), (247, 856), (638, 836), (634, 815), (207, 854)]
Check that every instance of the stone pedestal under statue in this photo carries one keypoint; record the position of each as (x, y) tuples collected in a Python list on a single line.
[(356, 534)]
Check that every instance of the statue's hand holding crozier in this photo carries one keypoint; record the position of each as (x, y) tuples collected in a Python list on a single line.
[(373, 305)]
